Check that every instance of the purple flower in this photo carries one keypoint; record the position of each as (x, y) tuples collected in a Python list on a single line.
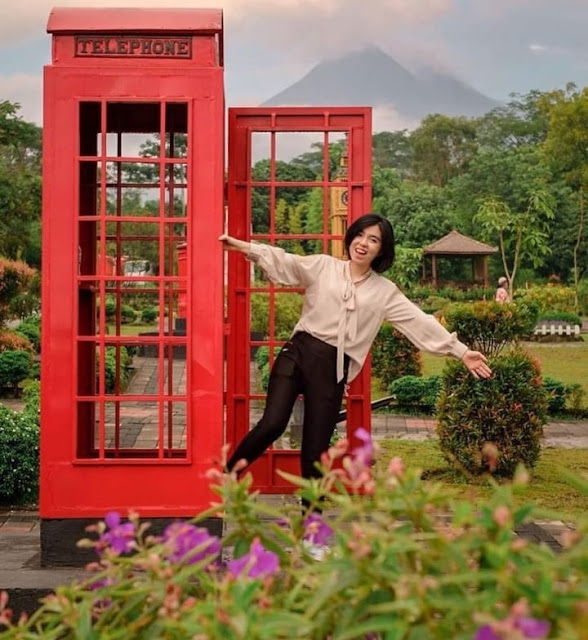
[(486, 633), (316, 530), (258, 563), (364, 454), (190, 544), (530, 628), (533, 628), (120, 538)]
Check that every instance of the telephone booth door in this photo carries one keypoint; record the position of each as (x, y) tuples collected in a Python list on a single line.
[(303, 207), (132, 400)]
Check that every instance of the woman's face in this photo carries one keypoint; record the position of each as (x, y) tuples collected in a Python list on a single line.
[(366, 246)]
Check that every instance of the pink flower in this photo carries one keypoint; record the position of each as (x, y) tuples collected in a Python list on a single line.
[(120, 538), (316, 530), (258, 563), (190, 544), (396, 467), (363, 455), (533, 628)]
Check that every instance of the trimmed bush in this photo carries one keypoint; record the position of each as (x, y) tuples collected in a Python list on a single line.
[(149, 315), (127, 314), (488, 326), (19, 456), (30, 328), (110, 309), (507, 410), (561, 316), (394, 356), (13, 341), (15, 367), (556, 395), (416, 394)]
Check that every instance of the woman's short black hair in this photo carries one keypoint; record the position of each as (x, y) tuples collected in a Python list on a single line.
[(385, 259)]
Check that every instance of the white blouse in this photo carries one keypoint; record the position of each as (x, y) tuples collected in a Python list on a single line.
[(347, 316)]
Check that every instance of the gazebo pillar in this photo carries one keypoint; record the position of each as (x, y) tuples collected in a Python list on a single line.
[(434, 268)]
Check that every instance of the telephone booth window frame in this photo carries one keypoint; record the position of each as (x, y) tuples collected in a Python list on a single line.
[(108, 277)]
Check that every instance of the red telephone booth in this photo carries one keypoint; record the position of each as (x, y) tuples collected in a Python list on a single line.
[(133, 171), (268, 207), (134, 316)]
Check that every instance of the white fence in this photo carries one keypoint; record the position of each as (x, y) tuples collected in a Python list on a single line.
[(557, 329)]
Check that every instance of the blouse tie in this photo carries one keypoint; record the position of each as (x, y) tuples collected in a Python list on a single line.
[(347, 320)]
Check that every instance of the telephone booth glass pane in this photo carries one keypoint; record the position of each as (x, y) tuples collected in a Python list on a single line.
[(132, 225)]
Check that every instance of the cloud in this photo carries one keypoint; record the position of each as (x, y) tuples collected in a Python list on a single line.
[(26, 90), (303, 24)]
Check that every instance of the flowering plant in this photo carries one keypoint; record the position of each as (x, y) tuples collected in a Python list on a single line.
[(405, 561)]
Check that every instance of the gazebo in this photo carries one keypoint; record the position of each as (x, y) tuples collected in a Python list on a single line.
[(456, 245)]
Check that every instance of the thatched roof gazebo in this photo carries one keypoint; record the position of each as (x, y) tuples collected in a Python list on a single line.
[(456, 245)]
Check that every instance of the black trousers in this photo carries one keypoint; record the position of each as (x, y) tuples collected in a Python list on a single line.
[(306, 366)]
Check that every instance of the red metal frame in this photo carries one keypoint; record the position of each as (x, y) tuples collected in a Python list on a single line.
[(243, 122), (87, 468)]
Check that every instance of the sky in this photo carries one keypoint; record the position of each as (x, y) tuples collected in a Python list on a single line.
[(497, 46)]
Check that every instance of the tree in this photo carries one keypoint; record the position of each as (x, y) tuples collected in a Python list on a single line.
[(20, 185), (509, 175), (521, 122), (420, 213), (392, 150), (292, 196), (567, 147), (442, 147), (522, 233)]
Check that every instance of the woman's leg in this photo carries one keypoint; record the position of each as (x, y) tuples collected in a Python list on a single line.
[(322, 402), (284, 387)]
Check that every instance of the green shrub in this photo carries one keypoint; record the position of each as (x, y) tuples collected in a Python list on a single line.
[(149, 315), (31, 395), (19, 456), (556, 395), (15, 367), (507, 410), (16, 278), (110, 309), (12, 341), (393, 356), (576, 399), (127, 314), (548, 297), (407, 561), (30, 328), (416, 394), (488, 326), (560, 316), (288, 307), (263, 364), (110, 369)]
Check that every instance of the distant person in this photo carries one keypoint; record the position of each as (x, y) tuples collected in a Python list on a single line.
[(502, 294), (345, 303)]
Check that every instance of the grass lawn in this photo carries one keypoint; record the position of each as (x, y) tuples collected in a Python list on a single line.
[(133, 329), (566, 362), (548, 488)]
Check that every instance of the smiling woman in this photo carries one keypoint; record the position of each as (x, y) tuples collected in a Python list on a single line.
[(345, 303)]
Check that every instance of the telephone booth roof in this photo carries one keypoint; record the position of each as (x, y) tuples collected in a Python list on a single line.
[(139, 20)]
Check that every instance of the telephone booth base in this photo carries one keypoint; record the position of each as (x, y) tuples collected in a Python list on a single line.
[(59, 538)]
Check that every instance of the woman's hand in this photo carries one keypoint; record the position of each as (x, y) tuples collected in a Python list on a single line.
[(232, 243), (477, 364)]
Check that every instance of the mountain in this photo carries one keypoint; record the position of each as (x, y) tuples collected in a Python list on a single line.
[(373, 78)]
